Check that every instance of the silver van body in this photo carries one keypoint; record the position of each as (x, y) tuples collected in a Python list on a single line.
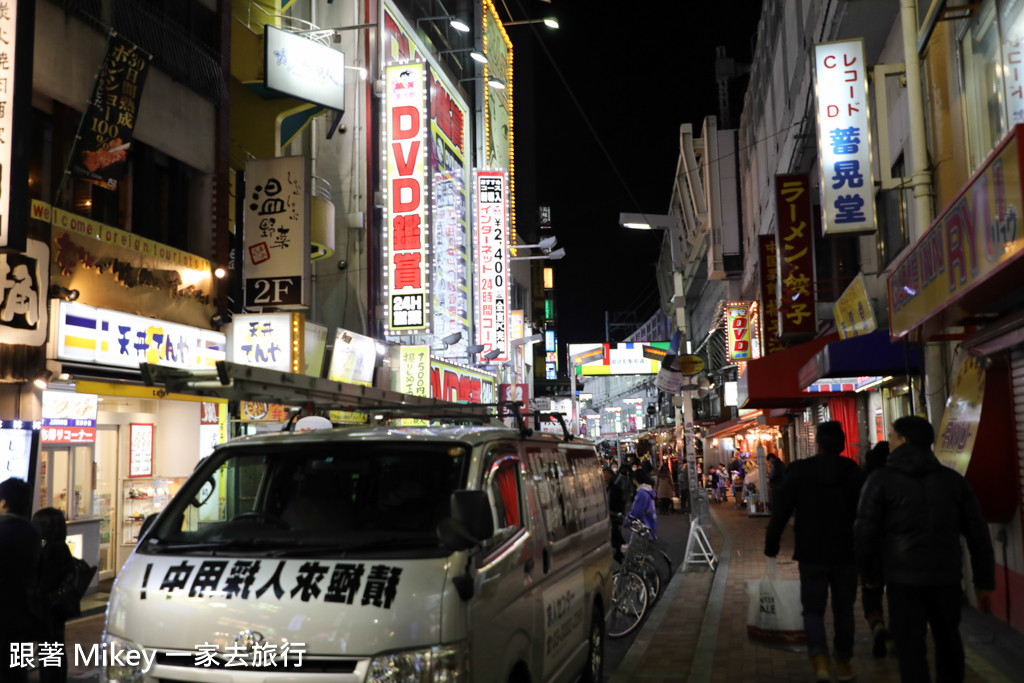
[(357, 554)]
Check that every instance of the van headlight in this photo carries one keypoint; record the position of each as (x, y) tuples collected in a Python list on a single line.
[(117, 670), (442, 664)]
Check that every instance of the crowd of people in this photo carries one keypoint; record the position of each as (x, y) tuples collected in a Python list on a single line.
[(35, 567)]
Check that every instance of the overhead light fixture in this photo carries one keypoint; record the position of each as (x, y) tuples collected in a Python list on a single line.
[(63, 293), (451, 339), (492, 354), (220, 272), (545, 245), (454, 21), (43, 380), (553, 255), (473, 349), (474, 54), (550, 22), (491, 82)]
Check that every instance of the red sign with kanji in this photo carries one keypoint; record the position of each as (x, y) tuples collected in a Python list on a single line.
[(795, 249), (769, 265)]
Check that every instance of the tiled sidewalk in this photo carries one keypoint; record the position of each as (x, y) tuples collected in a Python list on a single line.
[(697, 632)]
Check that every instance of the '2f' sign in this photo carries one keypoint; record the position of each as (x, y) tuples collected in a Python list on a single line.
[(273, 291)]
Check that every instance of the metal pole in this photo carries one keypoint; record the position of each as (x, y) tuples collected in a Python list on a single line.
[(698, 502)]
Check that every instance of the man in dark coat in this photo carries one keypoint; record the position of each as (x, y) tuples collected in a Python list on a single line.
[(616, 509), (909, 522), (20, 544), (822, 491)]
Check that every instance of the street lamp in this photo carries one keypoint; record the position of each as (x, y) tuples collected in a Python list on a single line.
[(545, 245), (550, 22), (553, 255)]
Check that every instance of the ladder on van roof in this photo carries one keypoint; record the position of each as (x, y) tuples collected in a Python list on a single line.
[(237, 382)]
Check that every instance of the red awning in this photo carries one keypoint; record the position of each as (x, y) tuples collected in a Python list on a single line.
[(736, 424), (774, 380)]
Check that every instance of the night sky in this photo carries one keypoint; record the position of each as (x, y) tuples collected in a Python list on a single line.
[(599, 103)]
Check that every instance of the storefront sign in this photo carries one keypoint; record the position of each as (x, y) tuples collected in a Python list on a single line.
[(212, 427), (315, 348), (853, 312), (303, 68), (256, 411), (116, 269), (519, 393), (517, 330), (96, 335), (108, 124), (769, 272), (268, 340), (276, 229), (628, 358), (24, 278), (954, 440), (739, 337), (353, 359), (68, 417), (407, 235), (492, 292), (795, 249), (977, 238), (140, 455), (19, 442), (450, 382), (17, 23), (844, 137), (498, 121)]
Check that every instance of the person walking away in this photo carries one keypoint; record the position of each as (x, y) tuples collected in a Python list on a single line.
[(55, 566), (664, 489), (822, 492), (684, 488), (643, 504), (713, 484), (871, 596), (724, 482), (737, 488), (911, 515), (616, 510), (776, 473), (19, 559)]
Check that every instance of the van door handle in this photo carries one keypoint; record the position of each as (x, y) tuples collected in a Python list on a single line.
[(547, 560), (529, 565)]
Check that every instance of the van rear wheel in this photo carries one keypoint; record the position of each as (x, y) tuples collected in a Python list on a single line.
[(594, 671)]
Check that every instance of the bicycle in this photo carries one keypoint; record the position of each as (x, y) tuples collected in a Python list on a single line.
[(640, 557), (629, 603)]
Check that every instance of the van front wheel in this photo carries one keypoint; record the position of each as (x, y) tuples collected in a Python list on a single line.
[(594, 672)]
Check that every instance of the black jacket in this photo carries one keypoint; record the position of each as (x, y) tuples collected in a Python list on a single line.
[(910, 518), (19, 563), (823, 492)]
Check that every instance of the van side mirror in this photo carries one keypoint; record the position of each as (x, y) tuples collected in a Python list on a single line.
[(470, 523)]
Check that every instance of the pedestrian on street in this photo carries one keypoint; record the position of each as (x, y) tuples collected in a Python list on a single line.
[(19, 559), (909, 522), (616, 510), (55, 566), (776, 473), (684, 488), (822, 491), (871, 596), (643, 504), (664, 489)]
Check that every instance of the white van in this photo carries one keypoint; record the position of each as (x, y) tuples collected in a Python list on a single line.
[(376, 553)]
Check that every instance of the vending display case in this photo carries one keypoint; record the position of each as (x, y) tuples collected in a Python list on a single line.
[(142, 498)]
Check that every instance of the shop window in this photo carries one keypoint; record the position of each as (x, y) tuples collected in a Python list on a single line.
[(891, 236), (991, 51)]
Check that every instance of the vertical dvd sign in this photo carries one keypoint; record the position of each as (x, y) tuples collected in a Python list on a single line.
[(491, 243), (739, 334), (406, 233)]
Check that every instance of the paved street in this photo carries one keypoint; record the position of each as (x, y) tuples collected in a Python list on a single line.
[(697, 630)]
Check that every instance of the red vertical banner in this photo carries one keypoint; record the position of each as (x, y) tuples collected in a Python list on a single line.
[(795, 246), (769, 266)]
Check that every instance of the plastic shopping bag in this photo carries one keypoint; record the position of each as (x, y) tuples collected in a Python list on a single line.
[(774, 616)]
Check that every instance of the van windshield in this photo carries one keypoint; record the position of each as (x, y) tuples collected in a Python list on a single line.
[(329, 499)]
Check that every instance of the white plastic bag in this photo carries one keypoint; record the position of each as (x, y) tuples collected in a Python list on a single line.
[(774, 616)]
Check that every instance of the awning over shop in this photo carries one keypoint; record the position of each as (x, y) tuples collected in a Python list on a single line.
[(735, 425), (773, 381), (869, 355)]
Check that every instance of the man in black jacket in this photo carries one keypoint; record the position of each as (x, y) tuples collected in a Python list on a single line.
[(909, 522), (19, 558), (823, 492)]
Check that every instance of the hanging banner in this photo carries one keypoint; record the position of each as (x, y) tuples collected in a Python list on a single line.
[(451, 382), (23, 295), (17, 27), (954, 441), (769, 272), (273, 341), (406, 239), (277, 224), (738, 333), (100, 154), (353, 359), (492, 285), (853, 312), (795, 249)]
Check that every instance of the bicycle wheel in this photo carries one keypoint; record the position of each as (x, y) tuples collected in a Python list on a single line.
[(629, 603), (644, 566)]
